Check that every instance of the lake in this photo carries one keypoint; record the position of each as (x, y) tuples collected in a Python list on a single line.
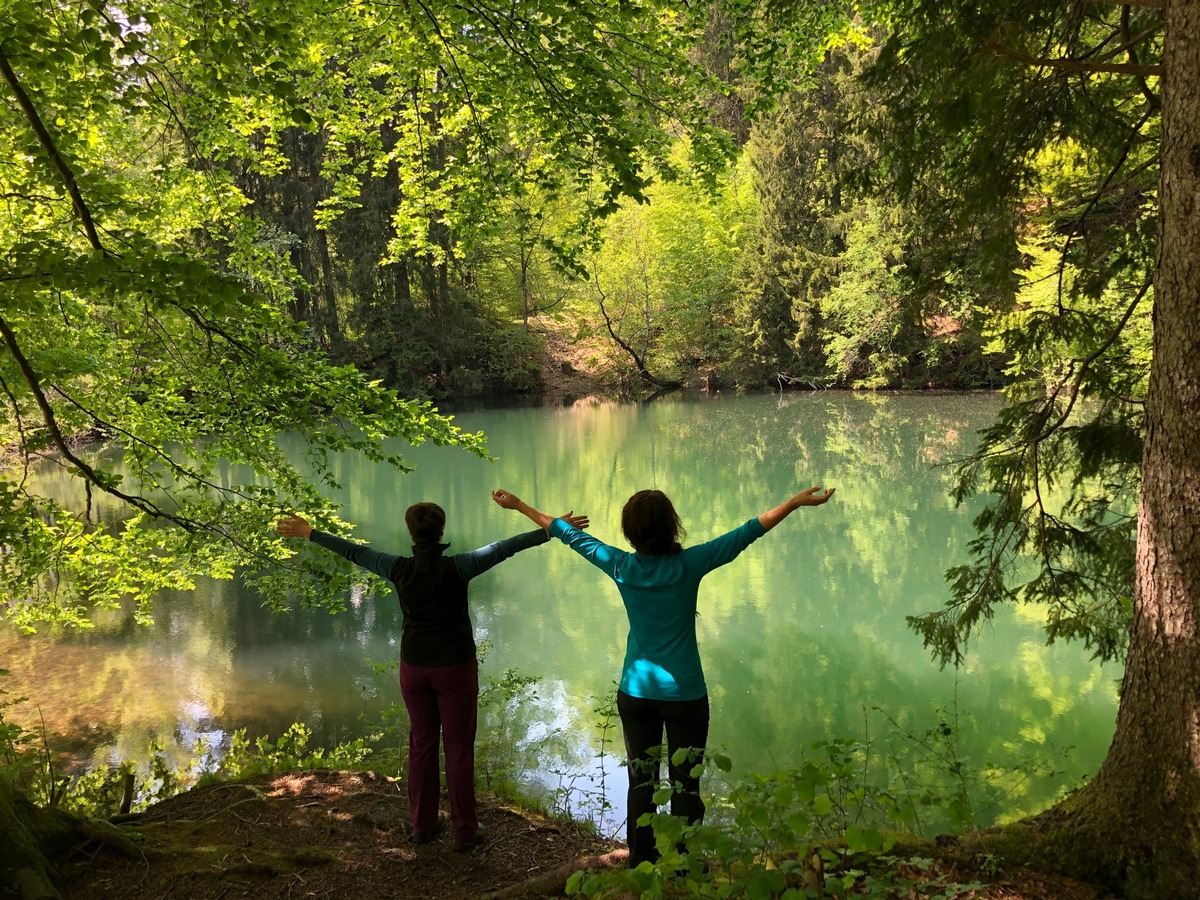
[(803, 636)]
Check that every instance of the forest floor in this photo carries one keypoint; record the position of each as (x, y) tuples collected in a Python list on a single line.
[(573, 368), (327, 834)]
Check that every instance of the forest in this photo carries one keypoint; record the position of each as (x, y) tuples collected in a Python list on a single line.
[(225, 220)]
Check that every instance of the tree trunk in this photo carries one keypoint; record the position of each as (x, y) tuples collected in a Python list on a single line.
[(331, 325), (1137, 825), (27, 836), (30, 837)]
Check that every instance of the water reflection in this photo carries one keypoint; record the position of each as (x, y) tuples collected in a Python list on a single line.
[(802, 637)]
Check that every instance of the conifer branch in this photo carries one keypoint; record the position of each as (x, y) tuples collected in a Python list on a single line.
[(1075, 65)]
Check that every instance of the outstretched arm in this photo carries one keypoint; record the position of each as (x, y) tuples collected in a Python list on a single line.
[(361, 555), (595, 551), (810, 497), (510, 500), (476, 562)]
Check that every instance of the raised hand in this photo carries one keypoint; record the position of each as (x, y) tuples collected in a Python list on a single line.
[(578, 521), (511, 501), (506, 499), (294, 526), (812, 496)]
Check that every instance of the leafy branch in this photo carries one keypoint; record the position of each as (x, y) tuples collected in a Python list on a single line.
[(638, 360), (52, 152)]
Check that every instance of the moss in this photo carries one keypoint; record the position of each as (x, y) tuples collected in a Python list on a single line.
[(29, 834), (1091, 837)]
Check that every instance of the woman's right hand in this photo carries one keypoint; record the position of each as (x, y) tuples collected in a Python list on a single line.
[(294, 526), (506, 499), (812, 496)]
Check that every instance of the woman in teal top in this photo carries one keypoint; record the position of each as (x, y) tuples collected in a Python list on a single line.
[(662, 681)]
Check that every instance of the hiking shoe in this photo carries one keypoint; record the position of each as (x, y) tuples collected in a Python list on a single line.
[(426, 837), (471, 843)]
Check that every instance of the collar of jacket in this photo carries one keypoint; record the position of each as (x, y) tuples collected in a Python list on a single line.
[(429, 549)]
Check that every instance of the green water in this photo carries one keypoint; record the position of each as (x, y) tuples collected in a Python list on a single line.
[(803, 637)]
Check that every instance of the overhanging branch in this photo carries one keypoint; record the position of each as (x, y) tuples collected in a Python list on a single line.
[(47, 142), (92, 478), (90, 475)]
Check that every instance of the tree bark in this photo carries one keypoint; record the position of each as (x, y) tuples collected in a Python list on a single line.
[(26, 835), (1137, 824), (31, 836), (330, 322)]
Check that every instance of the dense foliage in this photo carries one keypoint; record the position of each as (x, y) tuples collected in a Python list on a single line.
[(430, 193), (1052, 156), (144, 317)]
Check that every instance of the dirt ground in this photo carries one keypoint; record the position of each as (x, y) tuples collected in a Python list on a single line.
[(319, 834), (326, 834), (575, 369)]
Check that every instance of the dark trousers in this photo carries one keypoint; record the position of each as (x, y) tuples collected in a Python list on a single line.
[(442, 701), (643, 721)]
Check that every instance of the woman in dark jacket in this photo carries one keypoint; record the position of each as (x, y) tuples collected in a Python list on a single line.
[(439, 672)]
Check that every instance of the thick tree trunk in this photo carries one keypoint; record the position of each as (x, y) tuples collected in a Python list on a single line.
[(27, 835), (1137, 825), (31, 836)]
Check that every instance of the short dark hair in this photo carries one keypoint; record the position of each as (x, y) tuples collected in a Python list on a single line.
[(650, 523), (426, 522)]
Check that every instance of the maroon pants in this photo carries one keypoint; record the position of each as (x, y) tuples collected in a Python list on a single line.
[(443, 701)]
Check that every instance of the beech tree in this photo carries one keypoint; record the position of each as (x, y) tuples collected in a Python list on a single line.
[(145, 353), (435, 125)]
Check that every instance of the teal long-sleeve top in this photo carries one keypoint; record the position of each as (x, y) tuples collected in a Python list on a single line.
[(662, 659)]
